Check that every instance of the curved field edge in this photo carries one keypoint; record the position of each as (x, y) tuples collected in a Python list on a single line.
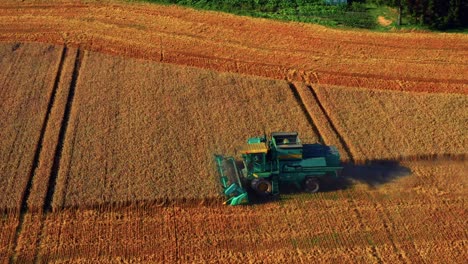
[(397, 61)]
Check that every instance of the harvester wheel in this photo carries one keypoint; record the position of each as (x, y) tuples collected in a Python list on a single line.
[(311, 185), (262, 186)]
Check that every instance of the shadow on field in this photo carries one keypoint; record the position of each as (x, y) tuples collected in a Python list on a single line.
[(373, 173)]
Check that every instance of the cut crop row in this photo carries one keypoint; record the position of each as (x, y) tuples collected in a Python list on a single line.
[(8, 225), (397, 61), (357, 224)]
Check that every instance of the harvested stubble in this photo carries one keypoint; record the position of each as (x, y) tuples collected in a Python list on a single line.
[(124, 234), (204, 234), (357, 224), (427, 211), (146, 132), (30, 235), (27, 75), (223, 42), (388, 125), (8, 226)]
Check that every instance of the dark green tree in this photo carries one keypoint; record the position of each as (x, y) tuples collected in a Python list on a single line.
[(439, 14)]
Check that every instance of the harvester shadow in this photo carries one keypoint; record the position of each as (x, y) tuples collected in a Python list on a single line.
[(373, 173)]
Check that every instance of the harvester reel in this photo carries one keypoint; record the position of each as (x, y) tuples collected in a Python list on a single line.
[(311, 185), (262, 187)]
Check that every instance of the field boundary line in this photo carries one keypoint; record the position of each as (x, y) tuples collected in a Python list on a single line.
[(35, 164), (63, 129)]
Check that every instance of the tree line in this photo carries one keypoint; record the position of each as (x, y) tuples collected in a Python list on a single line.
[(438, 14)]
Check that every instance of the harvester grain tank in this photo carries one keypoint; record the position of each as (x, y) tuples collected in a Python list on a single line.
[(270, 164)]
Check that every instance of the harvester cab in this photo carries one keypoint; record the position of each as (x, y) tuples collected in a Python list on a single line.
[(267, 164)]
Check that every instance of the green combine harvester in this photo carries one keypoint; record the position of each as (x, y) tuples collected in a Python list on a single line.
[(269, 164)]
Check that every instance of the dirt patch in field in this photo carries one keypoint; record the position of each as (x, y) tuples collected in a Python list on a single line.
[(383, 21)]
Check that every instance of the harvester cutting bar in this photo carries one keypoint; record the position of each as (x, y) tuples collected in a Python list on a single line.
[(230, 180)]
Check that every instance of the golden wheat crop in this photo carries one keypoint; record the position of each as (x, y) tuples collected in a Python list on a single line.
[(397, 125), (27, 75), (143, 131), (112, 139)]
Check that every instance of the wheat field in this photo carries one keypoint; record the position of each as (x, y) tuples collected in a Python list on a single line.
[(27, 76), (111, 111), (397, 125), (143, 131), (368, 222)]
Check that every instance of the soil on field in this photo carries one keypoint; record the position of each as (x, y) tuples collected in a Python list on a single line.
[(422, 62), (384, 22)]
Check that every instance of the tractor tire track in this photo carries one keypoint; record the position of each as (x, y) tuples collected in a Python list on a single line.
[(320, 131), (24, 199), (363, 226), (375, 254), (333, 127), (304, 110), (174, 217), (389, 227), (63, 131), (47, 206)]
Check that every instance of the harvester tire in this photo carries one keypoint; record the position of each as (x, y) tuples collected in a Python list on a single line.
[(311, 185), (262, 186)]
